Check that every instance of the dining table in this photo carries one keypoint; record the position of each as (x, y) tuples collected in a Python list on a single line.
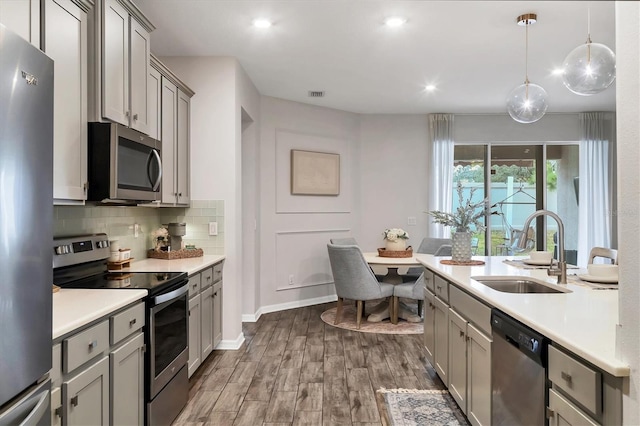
[(381, 311)]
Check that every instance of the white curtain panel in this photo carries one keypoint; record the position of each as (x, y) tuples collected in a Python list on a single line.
[(441, 170), (595, 197)]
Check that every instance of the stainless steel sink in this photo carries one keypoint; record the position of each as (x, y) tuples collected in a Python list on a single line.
[(517, 284)]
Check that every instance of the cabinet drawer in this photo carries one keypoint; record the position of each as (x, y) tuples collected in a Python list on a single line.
[(565, 413), (194, 284), (472, 309), (56, 369), (441, 288), (126, 322), (206, 279), (84, 346), (428, 279), (217, 272), (576, 380)]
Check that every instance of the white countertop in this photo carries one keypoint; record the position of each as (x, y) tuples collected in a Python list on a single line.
[(190, 265), (583, 321), (74, 308)]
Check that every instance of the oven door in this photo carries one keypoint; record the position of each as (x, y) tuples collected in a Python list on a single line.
[(168, 334)]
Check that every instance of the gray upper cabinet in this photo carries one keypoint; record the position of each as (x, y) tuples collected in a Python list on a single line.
[(23, 18), (119, 64), (175, 111), (64, 39), (154, 95)]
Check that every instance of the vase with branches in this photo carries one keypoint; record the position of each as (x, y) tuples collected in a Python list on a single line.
[(466, 216)]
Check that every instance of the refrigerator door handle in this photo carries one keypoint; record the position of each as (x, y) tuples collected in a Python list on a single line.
[(32, 409)]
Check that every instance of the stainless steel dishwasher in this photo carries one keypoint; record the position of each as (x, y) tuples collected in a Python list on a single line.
[(518, 372)]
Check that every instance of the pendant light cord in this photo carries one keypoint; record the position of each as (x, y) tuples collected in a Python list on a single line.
[(526, 53)]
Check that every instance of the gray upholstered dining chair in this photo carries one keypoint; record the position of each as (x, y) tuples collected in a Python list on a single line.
[(434, 246), (354, 279), (349, 241), (409, 290)]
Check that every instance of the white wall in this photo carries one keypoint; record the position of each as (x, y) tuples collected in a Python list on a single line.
[(393, 177), (628, 132), (502, 128), (294, 229), (222, 91)]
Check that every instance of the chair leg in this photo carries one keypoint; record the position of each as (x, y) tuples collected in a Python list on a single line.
[(338, 310), (420, 308), (393, 307), (359, 315)]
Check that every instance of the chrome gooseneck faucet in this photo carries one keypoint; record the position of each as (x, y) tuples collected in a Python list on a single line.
[(561, 270)]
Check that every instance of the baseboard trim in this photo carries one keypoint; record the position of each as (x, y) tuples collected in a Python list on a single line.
[(288, 305), (230, 345)]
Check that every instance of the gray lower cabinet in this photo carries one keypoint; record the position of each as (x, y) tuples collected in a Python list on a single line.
[(97, 376), (127, 382), (194, 334), (458, 344), (581, 393), (85, 396), (205, 314)]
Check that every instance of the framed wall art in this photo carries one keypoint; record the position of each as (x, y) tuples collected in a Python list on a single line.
[(315, 173)]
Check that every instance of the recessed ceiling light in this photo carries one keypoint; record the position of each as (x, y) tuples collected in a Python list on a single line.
[(429, 87), (261, 23), (395, 21)]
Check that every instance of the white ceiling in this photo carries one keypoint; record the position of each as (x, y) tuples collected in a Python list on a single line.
[(472, 50)]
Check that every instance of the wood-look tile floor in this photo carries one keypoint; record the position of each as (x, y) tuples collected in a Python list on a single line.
[(294, 369)]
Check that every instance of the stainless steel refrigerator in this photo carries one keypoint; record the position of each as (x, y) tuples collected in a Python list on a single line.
[(26, 216)]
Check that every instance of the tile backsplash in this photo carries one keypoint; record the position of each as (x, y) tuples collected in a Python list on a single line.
[(120, 222)]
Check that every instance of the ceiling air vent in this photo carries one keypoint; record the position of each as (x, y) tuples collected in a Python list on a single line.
[(316, 93)]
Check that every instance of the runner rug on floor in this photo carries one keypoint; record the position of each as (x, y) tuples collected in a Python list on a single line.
[(413, 407)]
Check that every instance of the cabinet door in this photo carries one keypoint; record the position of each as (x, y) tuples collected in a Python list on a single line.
[(56, 407), (65, 41), (206, 323), (86, 396), (217, 314), (441, 355), (564, 413), (154, 91), (127, 382), (478, 377), (458, 359), (169, 135), (182, 148), (194, 334), (23, 18), (429, 325), (115, 63), (140, 52)]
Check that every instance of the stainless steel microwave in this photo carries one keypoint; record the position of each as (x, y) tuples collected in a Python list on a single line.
[(125, 166)]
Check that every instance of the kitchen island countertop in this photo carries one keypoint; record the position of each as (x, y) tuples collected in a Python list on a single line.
[(584, 321), (190, 265), (74, 308)]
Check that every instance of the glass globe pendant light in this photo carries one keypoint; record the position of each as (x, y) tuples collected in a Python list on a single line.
[(527, 103), (590, 68)]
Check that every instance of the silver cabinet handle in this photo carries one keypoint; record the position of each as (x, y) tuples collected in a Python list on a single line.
[(132, 322), (127, 114), (93, 345), (135, 116), (461, 333), (566, 376), (74, 401)]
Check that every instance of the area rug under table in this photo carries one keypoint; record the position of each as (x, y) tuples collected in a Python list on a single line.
[(348, 322), (412, 407)]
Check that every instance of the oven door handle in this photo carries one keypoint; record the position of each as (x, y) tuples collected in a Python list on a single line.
[(158, 300), (154, 155)]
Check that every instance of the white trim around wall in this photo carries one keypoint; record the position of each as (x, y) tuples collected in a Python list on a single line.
[(288, 305), (231, 345)]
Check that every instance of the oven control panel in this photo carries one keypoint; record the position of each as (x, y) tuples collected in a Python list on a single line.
[(79, 249)]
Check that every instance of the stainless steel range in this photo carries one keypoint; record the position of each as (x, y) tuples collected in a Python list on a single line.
[(80, 262)]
